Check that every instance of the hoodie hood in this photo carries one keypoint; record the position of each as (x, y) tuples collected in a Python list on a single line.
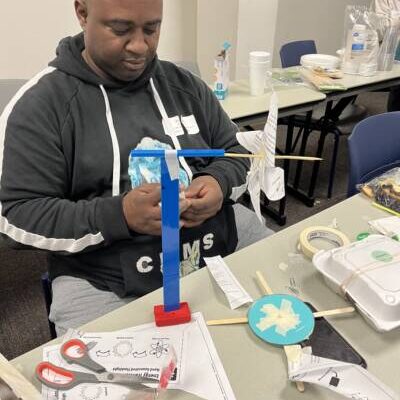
[(69, 60)]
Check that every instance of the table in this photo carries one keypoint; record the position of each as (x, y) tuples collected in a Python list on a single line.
[(245, 109), (255, 369), (355, 84)]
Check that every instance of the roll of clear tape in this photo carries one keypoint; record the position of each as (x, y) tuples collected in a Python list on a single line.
[(333, 236)]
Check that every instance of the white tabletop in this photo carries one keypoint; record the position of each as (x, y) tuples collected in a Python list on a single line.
[(353, 81), (240, 103), (256, 370)]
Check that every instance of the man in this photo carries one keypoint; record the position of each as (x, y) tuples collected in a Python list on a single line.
[(66, 138), (389, 11)]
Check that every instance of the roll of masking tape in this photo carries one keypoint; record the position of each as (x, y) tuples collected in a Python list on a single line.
[(330, 235)]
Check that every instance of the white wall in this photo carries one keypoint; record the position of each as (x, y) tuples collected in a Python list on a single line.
[(178, 40), (217, 22), (321, 20), (31, 30), (256, 30)]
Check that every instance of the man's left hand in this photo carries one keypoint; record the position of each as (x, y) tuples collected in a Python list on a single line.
[(206, 199)]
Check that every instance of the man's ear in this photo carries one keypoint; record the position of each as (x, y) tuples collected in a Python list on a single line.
[(81, 10)]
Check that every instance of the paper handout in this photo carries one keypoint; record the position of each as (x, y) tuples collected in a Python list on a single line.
[(350, 380), (263, 175), (139, 350), (234, 291)]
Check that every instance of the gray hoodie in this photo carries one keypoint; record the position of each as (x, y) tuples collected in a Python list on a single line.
[(65, 142)]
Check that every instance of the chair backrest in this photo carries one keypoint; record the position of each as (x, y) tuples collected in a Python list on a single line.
[(373, 148), (291, 52), (8, 88)]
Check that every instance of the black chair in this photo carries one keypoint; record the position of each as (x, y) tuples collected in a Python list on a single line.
[(373, 148), (344, 112)]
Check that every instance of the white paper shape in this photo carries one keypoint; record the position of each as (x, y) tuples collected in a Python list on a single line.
[(171, 158), (123, 352), (349, 380), (173, 126), (263, 175), (389, 226), (234, 291), (190, 124)]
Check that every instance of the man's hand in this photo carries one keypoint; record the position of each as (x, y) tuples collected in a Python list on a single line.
[(206, 198), (142, 209)]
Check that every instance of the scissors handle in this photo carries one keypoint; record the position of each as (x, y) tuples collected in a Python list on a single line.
[(80, 356), (70, 378)]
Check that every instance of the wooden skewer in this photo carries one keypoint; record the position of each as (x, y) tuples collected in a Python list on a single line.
[(301, 158)]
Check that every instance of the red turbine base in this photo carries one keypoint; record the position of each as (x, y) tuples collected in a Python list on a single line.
[(167, 318)]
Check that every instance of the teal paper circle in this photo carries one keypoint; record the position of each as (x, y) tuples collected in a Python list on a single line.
[(298, 310)]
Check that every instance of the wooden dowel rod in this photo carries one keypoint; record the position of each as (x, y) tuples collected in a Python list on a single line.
[(337, 311), (228, 321), (301, 158), (263, 283)]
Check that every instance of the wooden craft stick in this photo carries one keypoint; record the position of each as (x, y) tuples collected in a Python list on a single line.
[(228, 321), (263, 283), (300, 158), (337, 311)]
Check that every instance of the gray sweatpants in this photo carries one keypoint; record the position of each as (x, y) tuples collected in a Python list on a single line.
[(76, 301)]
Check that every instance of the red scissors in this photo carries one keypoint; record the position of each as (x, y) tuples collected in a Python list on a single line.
[(76, 352)]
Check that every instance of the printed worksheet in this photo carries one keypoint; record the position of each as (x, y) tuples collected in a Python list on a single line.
[(350, 380), (142, 350)]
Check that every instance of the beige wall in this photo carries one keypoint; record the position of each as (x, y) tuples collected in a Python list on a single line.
[(321, 20), (256, 31), (31, 30), (217, 22), (179, 31)]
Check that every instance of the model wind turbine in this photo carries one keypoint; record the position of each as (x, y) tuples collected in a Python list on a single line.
[(263, 175)]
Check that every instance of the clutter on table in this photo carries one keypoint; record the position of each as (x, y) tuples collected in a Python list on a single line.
[(384, 190)]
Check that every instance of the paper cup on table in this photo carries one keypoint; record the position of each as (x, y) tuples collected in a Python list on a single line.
[(259, 69)]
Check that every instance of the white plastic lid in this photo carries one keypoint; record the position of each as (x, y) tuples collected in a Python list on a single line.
[(259, 56), (320, 60)]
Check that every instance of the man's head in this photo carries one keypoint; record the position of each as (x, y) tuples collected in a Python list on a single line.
[(121, 36)]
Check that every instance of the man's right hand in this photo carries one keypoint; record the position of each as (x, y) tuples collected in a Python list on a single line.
[(142, 211)]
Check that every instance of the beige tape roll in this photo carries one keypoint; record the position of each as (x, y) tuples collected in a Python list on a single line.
[(330, 235)]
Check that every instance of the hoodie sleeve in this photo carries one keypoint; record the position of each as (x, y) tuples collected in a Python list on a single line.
[(36, 209), (229, 172)]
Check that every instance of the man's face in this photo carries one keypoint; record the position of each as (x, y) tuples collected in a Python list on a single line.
[(121, 36)]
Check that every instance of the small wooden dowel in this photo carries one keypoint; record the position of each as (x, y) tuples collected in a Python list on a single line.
[(337, 311), (300, 158)]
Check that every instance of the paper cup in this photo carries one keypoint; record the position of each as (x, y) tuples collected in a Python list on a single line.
[(259, 68)]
